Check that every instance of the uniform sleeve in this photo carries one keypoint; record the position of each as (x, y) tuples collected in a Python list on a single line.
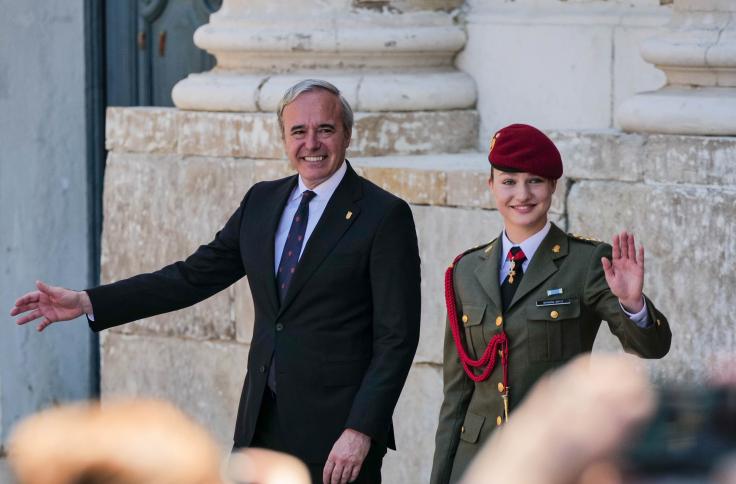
[(652, 341), (458, 389), (210, 269)]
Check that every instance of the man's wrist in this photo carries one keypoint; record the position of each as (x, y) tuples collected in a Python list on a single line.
[(85, 302), (357, 432)]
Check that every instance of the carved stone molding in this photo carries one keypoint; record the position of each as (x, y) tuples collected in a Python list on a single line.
[(381, 58), (698, 55)]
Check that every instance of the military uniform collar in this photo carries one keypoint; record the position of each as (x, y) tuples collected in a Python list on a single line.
[(553, 246), (528, 246)]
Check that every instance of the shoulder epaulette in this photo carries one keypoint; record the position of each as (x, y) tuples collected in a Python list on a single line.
[(488, 246), (485, 247), (584, 238)]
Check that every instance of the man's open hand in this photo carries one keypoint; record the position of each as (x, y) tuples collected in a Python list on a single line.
[(346, 457), (52, 303)]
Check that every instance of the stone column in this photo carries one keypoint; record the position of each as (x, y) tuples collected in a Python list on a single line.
[(384, 55), (698, 55)]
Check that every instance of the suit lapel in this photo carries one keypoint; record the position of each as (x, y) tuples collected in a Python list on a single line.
[(542, 265), (330, 228), (487, 272), (270, 218)]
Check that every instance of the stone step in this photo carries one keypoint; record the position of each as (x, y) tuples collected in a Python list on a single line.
[(257, 135), (452, 180)]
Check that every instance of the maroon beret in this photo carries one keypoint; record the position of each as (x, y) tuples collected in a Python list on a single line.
[(523, 148)]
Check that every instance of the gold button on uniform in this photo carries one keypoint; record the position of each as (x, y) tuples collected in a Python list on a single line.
[(501, 388), (554, 314), (499, 321), (465, 318), (499, 421), (556, 249)]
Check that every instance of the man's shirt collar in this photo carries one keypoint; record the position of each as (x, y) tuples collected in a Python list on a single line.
[(325, 189)]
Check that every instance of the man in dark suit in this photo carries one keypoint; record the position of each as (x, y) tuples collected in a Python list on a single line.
[(333, 267)]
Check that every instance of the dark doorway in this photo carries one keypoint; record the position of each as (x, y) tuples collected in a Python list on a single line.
[(149, 47), (135, 51)]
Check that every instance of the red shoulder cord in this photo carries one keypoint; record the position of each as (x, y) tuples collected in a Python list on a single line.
[(488, 360)]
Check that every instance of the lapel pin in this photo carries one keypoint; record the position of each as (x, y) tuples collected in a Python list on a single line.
[(556, 249), (554, 292), (348, 215)]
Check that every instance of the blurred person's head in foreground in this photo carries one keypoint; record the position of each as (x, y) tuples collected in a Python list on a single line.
[(135, 442), (122, 442)]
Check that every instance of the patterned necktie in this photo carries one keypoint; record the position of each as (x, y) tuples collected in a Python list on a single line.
[(513, 279), (289, 260), (293, 245)]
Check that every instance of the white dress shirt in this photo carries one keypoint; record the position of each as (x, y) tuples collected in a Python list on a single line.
[(530, 246), (317, 206)]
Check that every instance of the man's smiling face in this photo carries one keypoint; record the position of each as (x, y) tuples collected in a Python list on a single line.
[(314, 136)]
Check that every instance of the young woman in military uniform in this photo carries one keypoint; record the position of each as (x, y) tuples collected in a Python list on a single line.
[(529, 301)]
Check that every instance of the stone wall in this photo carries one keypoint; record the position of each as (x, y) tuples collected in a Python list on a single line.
[(45, 222), (174, 177), (678, 194)]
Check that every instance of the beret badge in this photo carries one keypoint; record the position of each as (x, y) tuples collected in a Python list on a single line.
[(493, 142)]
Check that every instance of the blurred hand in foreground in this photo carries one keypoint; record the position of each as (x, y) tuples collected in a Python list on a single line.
[(569, 425)]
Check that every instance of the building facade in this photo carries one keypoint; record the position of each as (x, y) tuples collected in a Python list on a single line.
[(637, 94)]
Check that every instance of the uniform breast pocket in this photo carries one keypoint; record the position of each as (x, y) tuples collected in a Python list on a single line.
[(554, 331), (472, 319)]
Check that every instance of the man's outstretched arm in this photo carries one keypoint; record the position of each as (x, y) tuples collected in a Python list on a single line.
[(210, 269)]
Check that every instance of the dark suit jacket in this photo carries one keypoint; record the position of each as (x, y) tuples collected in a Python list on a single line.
[(545, 331), (346, 333)]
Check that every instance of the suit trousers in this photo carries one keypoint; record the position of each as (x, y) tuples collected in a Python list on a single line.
[(270, 435)]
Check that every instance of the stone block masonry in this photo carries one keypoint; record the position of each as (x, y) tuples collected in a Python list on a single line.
[(170, 186)]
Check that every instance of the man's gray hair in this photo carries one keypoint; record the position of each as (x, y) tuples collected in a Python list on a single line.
[(308, 85)]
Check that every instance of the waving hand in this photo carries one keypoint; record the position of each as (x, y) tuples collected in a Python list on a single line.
[(625, 272)]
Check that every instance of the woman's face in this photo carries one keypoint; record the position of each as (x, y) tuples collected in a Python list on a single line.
[(523, 200)]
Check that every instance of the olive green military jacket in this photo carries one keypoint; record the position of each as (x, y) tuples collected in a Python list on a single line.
[(544, 332)]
